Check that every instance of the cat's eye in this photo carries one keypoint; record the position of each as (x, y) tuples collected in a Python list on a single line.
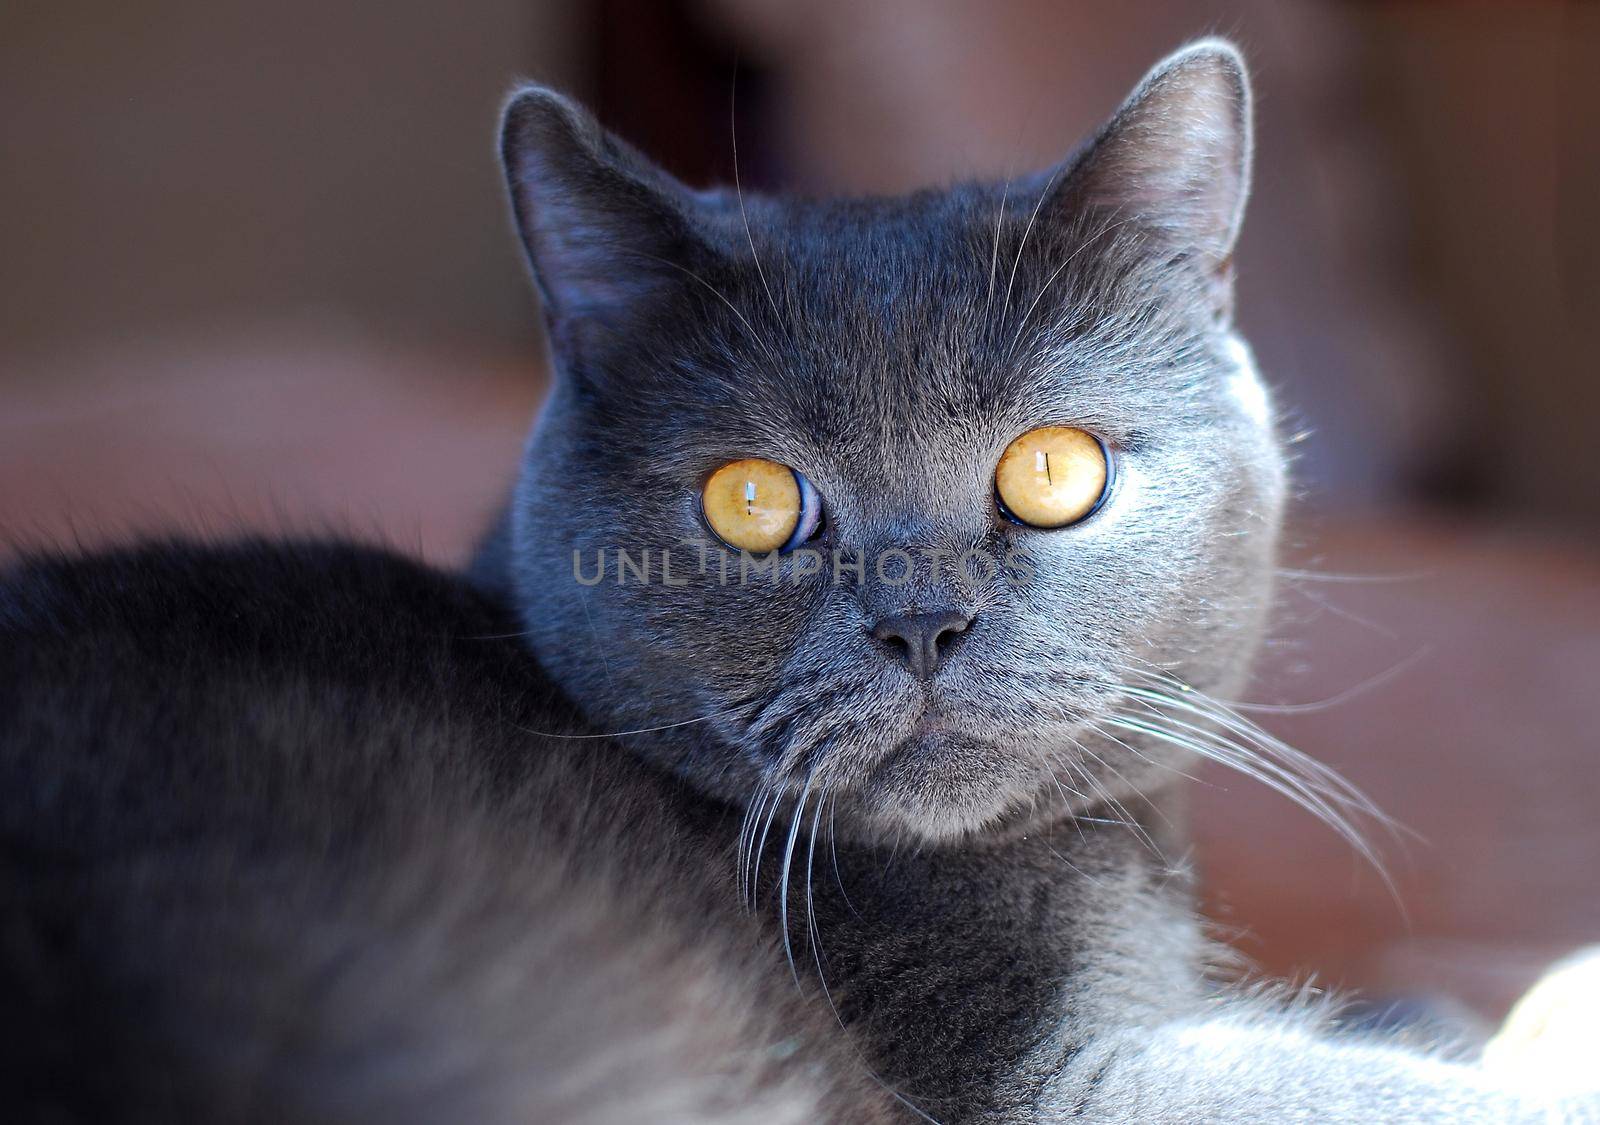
[(758, 505), (1053, 476)]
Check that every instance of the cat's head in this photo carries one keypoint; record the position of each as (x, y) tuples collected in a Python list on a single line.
[(877, 359)]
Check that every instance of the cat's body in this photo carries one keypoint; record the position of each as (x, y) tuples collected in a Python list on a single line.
[(310, 832), (285, 840), (272, 869)]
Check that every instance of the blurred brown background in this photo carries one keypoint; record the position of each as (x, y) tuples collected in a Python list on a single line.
[(255, 271)]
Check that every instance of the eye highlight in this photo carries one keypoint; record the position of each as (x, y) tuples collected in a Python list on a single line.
[(759, 505), (1052, 477)]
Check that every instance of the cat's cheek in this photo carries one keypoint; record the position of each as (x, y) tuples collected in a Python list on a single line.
[(1245, 385), (1050, 555), (1129, 487)]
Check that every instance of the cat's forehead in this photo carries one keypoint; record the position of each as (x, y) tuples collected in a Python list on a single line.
[(877, 256), (900, 320)]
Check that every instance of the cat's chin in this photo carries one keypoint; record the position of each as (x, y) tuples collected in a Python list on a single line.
[(939, 785)]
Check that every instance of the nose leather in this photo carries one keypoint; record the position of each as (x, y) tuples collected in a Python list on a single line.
[(921, 641)]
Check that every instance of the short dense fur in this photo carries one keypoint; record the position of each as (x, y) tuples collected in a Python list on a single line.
[(284, 840), (304, 832), (890, 349)]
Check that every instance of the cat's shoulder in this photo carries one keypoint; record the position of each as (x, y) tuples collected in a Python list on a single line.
[(320, 608), (223, 589), (214, 684)]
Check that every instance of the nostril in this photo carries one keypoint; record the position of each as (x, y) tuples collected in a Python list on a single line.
[(921, 641), (953, 628), (893, 639)]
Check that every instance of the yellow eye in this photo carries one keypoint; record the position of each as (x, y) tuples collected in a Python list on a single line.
[(1052, 476), (758, 505)]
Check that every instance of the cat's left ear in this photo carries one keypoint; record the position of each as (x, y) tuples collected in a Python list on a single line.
[(1175, 159)]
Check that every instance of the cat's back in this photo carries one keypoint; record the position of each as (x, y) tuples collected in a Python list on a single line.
[(288, 834), (177, 687)]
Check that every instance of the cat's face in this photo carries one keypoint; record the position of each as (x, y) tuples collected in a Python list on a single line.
[(889, 352)]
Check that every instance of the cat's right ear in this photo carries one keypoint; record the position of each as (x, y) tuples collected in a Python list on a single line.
[(1174, 162), (605, 230)]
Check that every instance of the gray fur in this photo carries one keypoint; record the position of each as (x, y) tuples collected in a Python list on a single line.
[(1005, 920), (303, 832), (870, 351), (295, 832)]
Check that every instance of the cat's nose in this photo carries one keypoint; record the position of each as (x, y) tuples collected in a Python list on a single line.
[(921, 641)]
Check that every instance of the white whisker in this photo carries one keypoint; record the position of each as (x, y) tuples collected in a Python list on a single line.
[(1372, 683), (738, 189), (1110, 225), (772, 356), (623, 733), (994, 251), (783, 879), (1026, 231)]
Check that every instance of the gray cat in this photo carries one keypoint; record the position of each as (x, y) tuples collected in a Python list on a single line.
[(807, 744), (994, 766)]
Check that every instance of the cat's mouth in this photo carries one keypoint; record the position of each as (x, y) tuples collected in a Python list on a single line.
[(942, 781), (938, 760)]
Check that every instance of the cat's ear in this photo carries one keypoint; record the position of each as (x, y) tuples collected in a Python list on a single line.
[(604, 228), (1175, 159)]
